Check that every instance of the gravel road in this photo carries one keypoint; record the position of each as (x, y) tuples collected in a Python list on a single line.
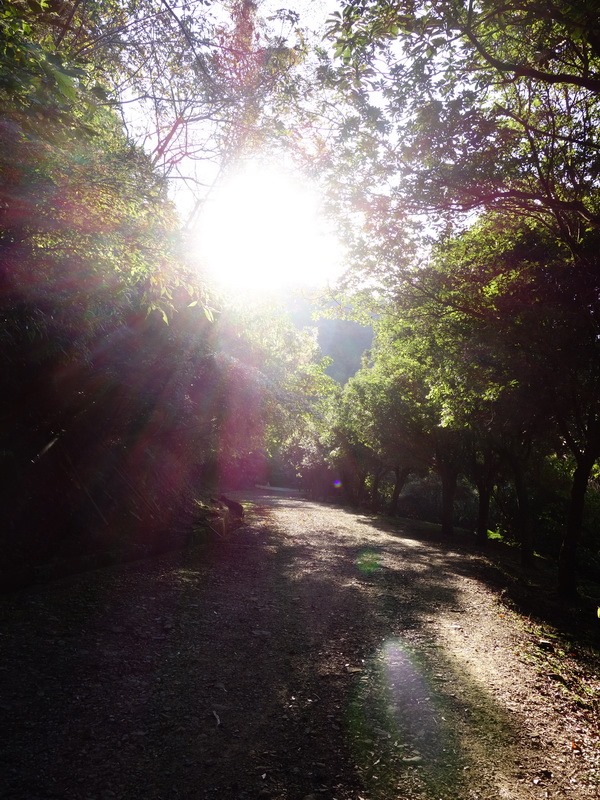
[(314, 653)]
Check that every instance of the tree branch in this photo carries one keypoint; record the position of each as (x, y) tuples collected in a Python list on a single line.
[(524, 71)]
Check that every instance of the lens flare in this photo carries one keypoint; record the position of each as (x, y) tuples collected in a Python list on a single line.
[(397, 727), (368, 561), (409, 702)]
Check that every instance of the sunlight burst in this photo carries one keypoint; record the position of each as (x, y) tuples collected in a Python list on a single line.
[(264, 229)]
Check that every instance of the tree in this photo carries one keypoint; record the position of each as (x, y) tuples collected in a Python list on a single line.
[(197, 87), (91, 270), (509, 331), (489, 106), (283, 368), (487, 110)]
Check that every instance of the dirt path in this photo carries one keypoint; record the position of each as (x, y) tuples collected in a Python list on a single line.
[(311, 655)]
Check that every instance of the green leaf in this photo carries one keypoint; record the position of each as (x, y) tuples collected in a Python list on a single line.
[(63, 81)]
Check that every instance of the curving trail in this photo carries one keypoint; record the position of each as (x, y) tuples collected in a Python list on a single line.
[(315, 653)]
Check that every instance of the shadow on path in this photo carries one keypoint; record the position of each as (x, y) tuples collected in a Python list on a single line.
[(532, 591), (297, 659)]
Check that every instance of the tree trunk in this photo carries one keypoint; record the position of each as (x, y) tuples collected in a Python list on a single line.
[(401, 476), (484, 490), (360, 488), (567, 562), (485, 478), (375, 491), (348, 486), (524, 528), (449, 480)]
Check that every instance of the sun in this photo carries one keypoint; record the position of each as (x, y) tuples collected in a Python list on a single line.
[(264, 229)]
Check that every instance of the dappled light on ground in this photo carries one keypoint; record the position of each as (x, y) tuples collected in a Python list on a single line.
[(308, 653), (443, 706)]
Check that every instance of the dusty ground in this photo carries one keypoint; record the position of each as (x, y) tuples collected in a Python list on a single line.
[(313, 654)]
